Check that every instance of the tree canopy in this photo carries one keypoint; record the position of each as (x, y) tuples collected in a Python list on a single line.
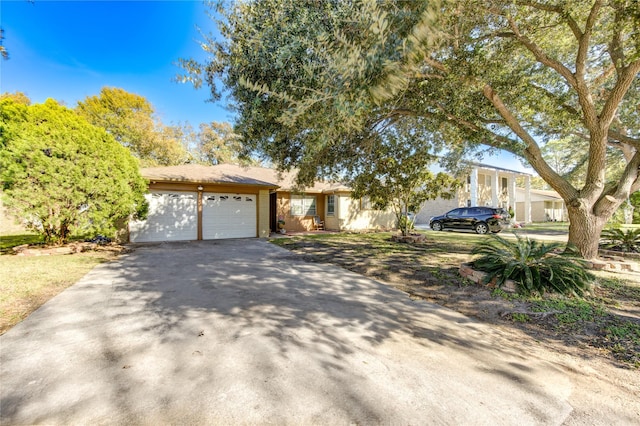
[(64, 176), (312, 81), (129, 119), (217, 143), (393, 171)]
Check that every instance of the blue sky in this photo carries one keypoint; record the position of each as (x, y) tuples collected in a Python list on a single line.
[(68, 50)]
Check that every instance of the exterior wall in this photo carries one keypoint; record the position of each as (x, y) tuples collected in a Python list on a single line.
[(352, 218), (439, 206), (544, 207), (477, 190), (519, 211), (263, 213), (542, 211), (296, 223), (537, 211)]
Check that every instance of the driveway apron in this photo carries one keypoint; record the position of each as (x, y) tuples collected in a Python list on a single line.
[(244, 332)]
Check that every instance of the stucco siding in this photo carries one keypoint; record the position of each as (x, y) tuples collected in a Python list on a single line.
[(354, 218), (263, 213)]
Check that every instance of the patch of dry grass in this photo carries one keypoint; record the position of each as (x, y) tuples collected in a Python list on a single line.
[(28, 282)]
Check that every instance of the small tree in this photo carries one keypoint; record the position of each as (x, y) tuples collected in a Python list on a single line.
[(62, 175), (394, 172)]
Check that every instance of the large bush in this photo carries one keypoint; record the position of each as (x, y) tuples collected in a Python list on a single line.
[(61, 175), (535, 267)]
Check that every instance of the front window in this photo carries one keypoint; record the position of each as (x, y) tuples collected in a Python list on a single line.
[(303, 205), (331, 205)]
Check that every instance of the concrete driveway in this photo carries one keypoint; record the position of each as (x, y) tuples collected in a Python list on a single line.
[(242, 332)]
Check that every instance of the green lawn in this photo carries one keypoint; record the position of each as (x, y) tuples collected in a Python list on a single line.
[(548, 226), (7, 242)]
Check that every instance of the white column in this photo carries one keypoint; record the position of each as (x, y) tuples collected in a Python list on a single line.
[(473, 187), (495, 189), (512, 192), (527, 199)]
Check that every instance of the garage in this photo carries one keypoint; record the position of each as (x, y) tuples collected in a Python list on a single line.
[(197, 202), (173, 216), (226, 215)]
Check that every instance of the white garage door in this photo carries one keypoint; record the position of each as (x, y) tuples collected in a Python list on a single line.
[(173, 216), (228, 215)]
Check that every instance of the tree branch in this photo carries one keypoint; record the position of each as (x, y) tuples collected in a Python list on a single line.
[(583, 41), (575, 28), (540, 56), (532, 152), (626, 76), (628, 183)]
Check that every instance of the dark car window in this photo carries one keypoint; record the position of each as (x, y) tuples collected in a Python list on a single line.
[(455, 212)]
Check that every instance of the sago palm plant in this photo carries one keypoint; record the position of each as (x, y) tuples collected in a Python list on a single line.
[(616, 238), (534, 266)]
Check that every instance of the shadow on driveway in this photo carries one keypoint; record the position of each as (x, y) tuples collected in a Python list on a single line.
[(240, 332)]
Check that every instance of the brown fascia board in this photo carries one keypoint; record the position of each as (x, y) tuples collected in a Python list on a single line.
[(226, 180)]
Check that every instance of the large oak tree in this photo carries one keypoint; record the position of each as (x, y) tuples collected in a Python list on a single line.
[(313, 81)]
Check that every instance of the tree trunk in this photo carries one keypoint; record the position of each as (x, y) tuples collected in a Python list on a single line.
[(584, 229)]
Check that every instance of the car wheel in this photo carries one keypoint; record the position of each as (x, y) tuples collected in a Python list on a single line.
[(436, 226), (481, 228)]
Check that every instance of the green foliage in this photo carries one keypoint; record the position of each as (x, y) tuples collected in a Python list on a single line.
[(129, 119), (533, 266), (11, 111), (312, 81), (520, 317), (394, 170), (626, 240), (634, 199), (217, 144), (63, 175), (569, 312)]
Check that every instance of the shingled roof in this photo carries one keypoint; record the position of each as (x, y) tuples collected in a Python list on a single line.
[(234, 174)]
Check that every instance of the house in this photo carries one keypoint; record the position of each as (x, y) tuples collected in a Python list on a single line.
[(484, 186), (196, 202), (545, 206)]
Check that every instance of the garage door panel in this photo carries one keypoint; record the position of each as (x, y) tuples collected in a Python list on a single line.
[(173, 216), (229, 215)]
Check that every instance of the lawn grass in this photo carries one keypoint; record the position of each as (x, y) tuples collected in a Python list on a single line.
[(29, 281), (548, 226), (7, 242)]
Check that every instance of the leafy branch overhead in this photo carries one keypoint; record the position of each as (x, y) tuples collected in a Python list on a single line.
[(314, 82)]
